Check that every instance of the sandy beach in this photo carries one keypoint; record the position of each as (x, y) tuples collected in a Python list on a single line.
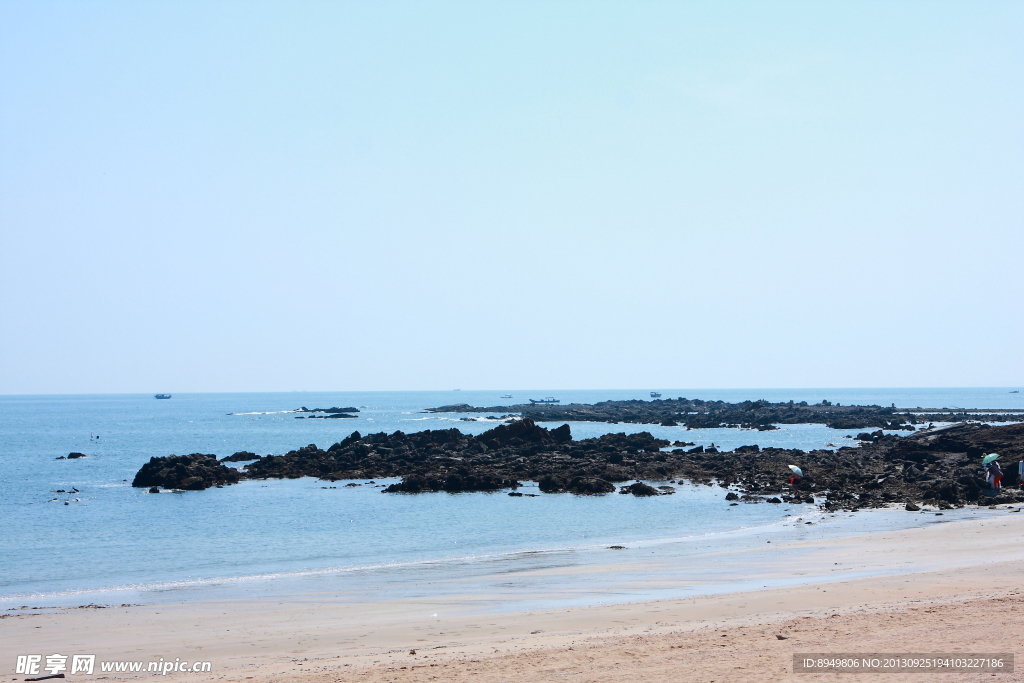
[(947, 587)]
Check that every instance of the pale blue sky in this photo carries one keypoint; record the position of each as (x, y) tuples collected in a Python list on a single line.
[(246, 196)]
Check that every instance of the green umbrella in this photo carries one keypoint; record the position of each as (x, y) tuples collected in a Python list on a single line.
[(796, 470), (989, 458)]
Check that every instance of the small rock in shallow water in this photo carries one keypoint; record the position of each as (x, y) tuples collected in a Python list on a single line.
[(640, 489)]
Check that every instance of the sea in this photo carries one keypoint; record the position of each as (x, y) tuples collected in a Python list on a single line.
[(76, 532)]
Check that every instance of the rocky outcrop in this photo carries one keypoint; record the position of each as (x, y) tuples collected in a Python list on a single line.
[(640, 489), (940, 467), (240, 456), (457, 482), (189, 472), (327, 413), (697, 413), (579, 485)]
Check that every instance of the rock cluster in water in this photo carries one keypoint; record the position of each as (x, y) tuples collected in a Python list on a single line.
[(241, 456), (72, 456), (335, 409), (936, 466), (329, 412), (193, 472), (700, 414)]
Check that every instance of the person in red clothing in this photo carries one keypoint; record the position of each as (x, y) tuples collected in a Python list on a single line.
[(995, 475)]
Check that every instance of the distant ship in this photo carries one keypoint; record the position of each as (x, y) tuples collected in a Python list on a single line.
[(507, 396), (1014, 392), (655, 394), (161, 396), (546, 400)]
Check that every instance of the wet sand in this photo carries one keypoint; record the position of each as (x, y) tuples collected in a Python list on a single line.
[(948, 587)]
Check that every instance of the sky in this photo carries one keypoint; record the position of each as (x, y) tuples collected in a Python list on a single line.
[(277, 196)]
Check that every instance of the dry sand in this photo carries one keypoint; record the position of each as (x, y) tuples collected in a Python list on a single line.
[(949, 588)]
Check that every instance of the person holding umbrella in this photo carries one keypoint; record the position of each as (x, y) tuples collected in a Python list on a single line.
[(995, 472), (794, 480)]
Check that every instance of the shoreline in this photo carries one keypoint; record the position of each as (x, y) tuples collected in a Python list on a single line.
[(677, 562), (965, 563)]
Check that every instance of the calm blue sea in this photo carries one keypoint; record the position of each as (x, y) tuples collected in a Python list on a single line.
[(111, 543)]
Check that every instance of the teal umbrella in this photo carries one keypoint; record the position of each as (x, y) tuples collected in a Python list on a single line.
[(796, 470), (989, 458)]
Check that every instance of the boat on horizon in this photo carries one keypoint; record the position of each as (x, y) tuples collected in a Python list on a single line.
[(549, 399), (161, 395), (507, 396), (655, 394)]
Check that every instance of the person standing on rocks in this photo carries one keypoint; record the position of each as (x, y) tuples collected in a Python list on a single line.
[(794, 480), (995, 475)]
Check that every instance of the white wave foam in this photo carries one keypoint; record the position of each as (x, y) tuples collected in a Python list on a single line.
[(270, 412)]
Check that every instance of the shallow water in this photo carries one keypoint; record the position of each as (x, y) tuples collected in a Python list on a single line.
[(112, 543)]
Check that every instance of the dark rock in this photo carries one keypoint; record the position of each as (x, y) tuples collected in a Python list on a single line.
[(696, 413), (551, 484), (731, 496), (453, 483), (938, 466), (240, 456), (640, 489), (73, 456), (589, 486), (522, 432), (189, 472), (561, 434), (774, 500), (154, 489)]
